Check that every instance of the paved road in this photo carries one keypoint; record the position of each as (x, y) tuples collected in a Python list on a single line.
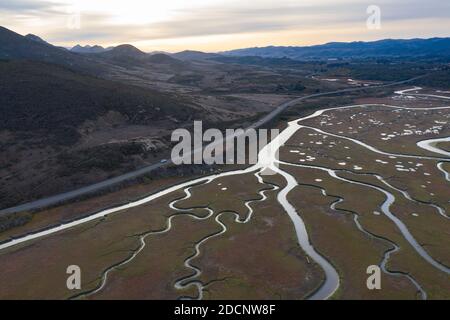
[(62, 197)]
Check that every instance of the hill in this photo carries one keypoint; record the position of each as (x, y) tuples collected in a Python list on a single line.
[(16, 46), (161, 58), (53, 101), (124, 55), (65, 124), (194, 55), (36, 38)]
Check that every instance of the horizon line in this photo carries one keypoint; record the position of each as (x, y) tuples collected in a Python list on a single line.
[(241, 48)]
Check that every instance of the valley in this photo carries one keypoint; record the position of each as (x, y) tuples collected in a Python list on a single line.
[(358, 176), (414, 260)]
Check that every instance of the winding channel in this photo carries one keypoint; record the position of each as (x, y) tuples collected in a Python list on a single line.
[(142, 241), (332, 281), (267, 160), (385, 207), (446, 173), (365, 145), (190, 280), (387, 254), (430, 145), (406, 92)]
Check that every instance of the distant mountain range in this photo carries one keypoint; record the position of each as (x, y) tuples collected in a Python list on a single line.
[(34, 47), (435, 47), (90, 49)]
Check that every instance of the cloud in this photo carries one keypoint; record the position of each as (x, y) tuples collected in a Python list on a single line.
[(23, 5), (238, 18), (212, 20), (103, 22)]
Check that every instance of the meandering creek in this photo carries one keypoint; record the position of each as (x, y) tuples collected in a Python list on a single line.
[(268, 159)]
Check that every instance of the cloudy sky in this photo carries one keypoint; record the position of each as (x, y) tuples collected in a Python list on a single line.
[(215, 25)]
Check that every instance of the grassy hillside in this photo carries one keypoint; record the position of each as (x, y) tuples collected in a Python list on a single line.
[(48, 99), (16, 46)]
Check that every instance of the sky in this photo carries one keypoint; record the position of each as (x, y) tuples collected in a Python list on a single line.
[(219, 25)]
